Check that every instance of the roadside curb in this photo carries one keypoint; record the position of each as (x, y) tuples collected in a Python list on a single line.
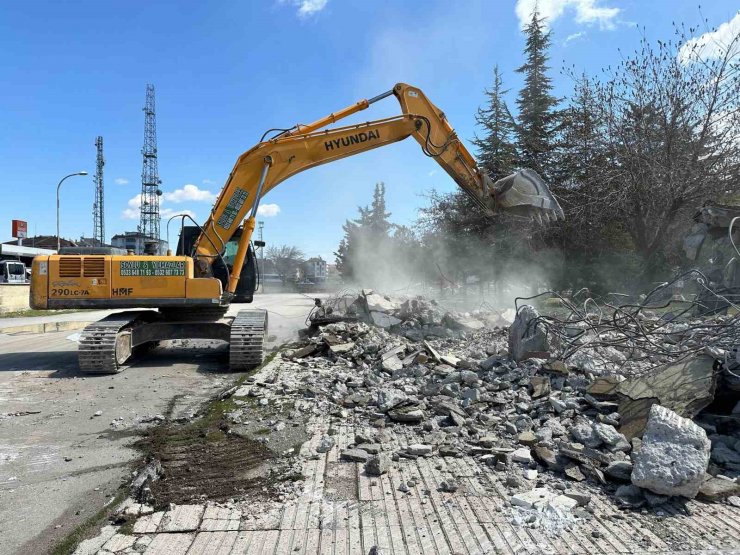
[(47, 327)]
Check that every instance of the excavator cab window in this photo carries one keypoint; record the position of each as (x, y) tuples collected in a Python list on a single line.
[(248, 277)]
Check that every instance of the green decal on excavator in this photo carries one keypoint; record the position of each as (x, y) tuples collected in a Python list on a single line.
[(232, 208), (152, 268)]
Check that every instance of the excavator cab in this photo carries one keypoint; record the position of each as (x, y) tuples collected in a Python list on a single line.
[(224, 265)]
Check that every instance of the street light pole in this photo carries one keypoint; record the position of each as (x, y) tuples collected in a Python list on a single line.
[(58, 186)]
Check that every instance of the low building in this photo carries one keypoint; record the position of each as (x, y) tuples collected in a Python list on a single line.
[(135, 241), (44, 242), (315, 270), (91, 242)]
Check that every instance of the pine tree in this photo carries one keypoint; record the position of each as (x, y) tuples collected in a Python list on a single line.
[(378, 217), (580, 147), (369, 231), (496, 151), (537, 114)]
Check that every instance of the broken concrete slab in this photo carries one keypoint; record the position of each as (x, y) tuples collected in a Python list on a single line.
[(674, 455), (527, 334), (537, 497), (714, 489), (389, 398), (685, 388), (604, 385), (378, 465), (539, 386), (609, 435), (409, 414), (325, 444), (342, 348), (379, 303), (522, 455), (305, 351), (419, 449), (619, 470), (573, 471), (355, 455), (182, 518), (629, 496), (383, 320)]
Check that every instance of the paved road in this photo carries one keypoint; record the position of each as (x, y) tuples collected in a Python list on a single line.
[(59, 463)]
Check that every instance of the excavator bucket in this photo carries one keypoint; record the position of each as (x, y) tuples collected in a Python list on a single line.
[(525, 194)]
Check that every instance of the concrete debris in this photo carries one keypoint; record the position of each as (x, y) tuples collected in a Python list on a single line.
[(630, 497), (685, 388), (419, 449), (140, 485), (522, 455), (404, 367), (716, 488), (355, 455), (378, 465), (325, 445), (527, 336), (620, 471), (674, 455)]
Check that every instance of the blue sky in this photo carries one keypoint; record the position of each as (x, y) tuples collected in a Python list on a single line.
[(226, 71)]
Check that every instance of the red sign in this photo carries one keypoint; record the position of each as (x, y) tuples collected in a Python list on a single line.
[(20, 229)]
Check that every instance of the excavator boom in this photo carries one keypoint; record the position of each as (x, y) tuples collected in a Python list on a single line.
[(270, 162)]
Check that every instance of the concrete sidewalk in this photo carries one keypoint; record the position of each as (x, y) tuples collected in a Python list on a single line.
[(53, 322)]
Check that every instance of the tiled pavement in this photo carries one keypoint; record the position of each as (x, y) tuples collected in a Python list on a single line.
[(341, 510)]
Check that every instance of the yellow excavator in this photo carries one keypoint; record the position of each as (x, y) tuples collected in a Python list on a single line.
[(184, 297)]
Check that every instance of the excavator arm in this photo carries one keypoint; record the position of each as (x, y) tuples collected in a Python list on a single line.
[(272, 161)]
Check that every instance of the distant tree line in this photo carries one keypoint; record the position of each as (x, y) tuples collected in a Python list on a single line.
[(631, 154)]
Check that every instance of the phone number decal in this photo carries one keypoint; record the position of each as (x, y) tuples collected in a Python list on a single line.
[(152, 268)]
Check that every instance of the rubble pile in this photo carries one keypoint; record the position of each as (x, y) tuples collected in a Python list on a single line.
[(629, 339), (415, 318), (447, 384)]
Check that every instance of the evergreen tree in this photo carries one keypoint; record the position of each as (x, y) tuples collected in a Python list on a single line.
[(369, 232), (496, 151), (537, 115)]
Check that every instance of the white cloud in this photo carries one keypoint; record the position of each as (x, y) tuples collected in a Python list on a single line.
[(208, 182), (132, 212), (586, 12), (306, 8), (712, 44), (268, 210), (574, 36), (120, 181), (190, 192), (431, 173), (167, 213)]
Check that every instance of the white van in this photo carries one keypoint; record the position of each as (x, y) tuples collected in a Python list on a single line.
[(12, 271)]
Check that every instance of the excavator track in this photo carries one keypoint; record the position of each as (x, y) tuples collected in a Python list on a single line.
[(106, 345), (247, 342)]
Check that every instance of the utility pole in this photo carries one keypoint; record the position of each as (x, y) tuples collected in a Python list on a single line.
[(150, 182), (262, 256), (98, 208)]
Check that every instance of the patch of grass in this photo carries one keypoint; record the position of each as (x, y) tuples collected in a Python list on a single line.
[(74, 538), (32, 312), (206, 426)]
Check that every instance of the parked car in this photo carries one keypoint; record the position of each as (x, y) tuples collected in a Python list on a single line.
[(12, 271)]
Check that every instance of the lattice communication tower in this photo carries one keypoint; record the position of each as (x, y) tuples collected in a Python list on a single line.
[(98, 207), (150, 182)]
